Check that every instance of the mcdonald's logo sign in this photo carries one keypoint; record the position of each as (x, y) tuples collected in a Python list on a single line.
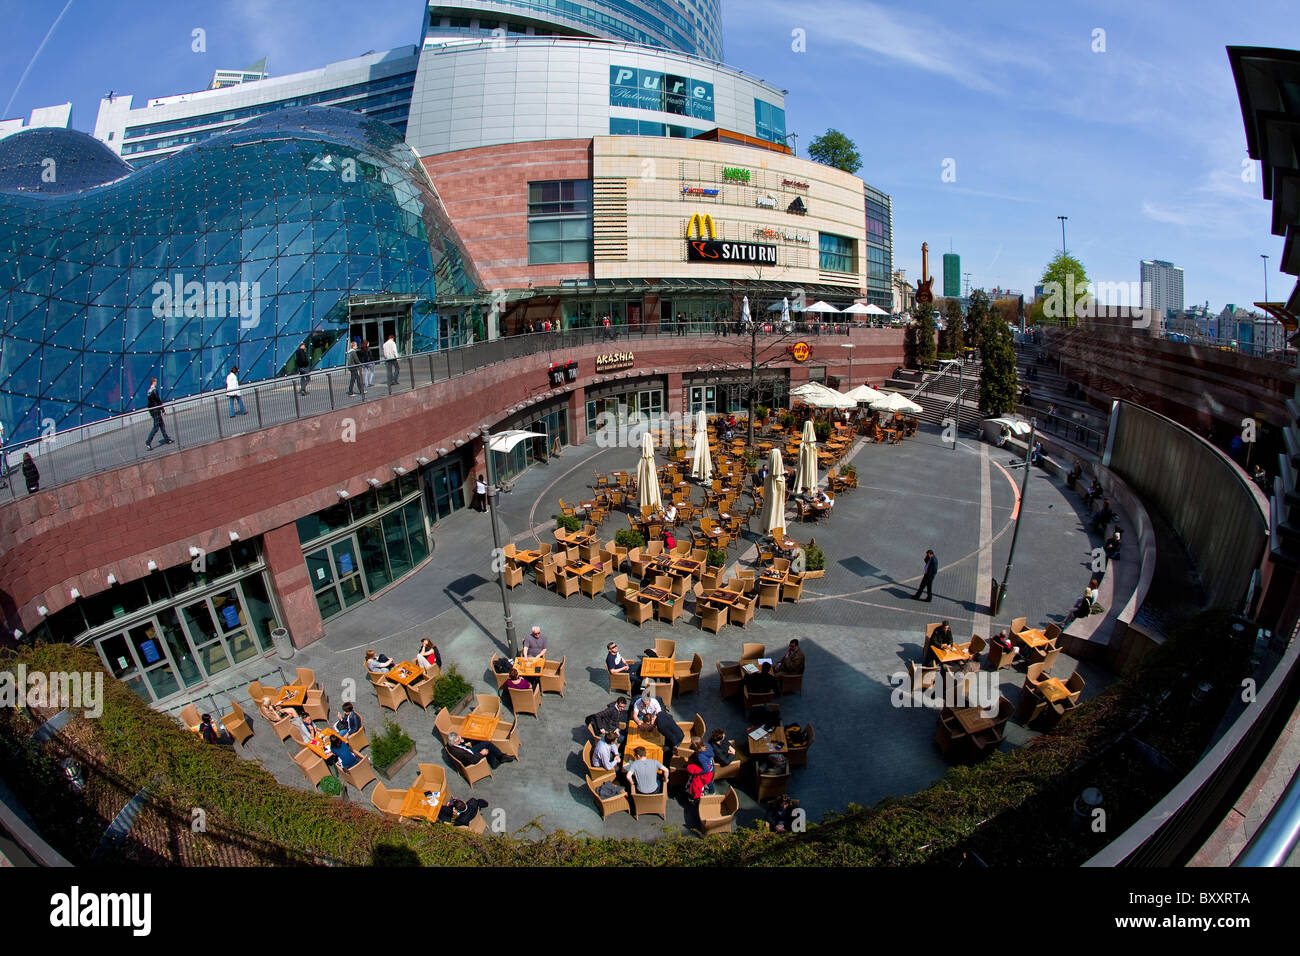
[(702, 225)]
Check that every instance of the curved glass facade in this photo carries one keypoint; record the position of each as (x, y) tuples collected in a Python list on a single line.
[(234, 251)]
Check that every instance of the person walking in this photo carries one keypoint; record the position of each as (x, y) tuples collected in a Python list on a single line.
[(30, 474), (927, 578), (390, 359), (301, 365), (480, 503), (353, 363), (368, 362), (154, 401), (232, 392)]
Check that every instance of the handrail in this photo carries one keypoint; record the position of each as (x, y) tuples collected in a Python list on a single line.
[(97, 447), (1274, 842)]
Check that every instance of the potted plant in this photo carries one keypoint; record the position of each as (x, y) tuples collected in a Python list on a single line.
[(451, 689), (331, 786), (569, 523), (822, 430), (787, 421), (751, 461), (760, 414), (629, 538), (815, 561), (391, 750), (716, 558)]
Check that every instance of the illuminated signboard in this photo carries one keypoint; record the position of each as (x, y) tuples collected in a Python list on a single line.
[(614, 361), (801, 351), (662, 92), (738, 253)]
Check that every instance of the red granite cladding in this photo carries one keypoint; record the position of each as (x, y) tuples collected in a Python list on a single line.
[(485, 191), (74, 535)]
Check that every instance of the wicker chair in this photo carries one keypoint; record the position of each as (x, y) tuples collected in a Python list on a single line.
[(742, 612), (686, 675), (514, 576), (594, 771), (593, 584), (553, 677), (792, 588), (421, 692), (608, 805), (567, 585), (790, 683), (499, 676), (769, 595), (638, 612), (949, 734), (474, 772), (283, 728), (360, 775), (306, 677), (525, 701), (237, 723), (312, 767), (257, 693), (752, 652), (798, 755), (317, 705), (732, 679), (444, 723), (190, 717), (620, 682), (388, 802), (391, 696), (656, 803), (487, 705), (717, 812), (771, 784)]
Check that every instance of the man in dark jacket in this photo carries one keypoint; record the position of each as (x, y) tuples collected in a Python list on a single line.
[(927, 578), (608, 719), (301, 365), (154, 401), (470, 752), (672, 734)]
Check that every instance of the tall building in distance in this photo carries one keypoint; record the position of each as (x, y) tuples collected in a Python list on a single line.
[(1162, 287), (952, 275)]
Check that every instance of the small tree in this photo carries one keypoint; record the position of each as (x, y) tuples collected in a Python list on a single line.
[(833, 148), (977, 314), (998, 371), (1065, 291), (923, 316), (956, 332)]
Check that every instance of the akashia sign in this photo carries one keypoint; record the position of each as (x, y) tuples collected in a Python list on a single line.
[(614, 361)]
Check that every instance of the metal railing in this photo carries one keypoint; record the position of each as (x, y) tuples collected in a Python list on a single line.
[(87, 450), (1062, 426)]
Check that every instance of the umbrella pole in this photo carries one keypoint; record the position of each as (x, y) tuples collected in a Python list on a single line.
[(1020, 516), (511, 644)]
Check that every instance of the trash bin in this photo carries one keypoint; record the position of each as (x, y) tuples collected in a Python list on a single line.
[(283, 646), (1084, 805), (993, 598)]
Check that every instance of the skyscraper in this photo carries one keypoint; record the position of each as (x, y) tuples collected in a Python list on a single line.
[(1162, 287), (952, 275)]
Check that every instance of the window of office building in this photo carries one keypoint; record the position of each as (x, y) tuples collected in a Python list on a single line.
[(663, 92), (769, 122), (837, 253), (559, 221)]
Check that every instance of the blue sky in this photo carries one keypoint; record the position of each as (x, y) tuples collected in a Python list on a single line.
[(1140, 145)]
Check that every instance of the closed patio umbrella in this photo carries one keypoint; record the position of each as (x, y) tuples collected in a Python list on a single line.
[(702, 460), (774, 493), (647, 478), (805, 477)]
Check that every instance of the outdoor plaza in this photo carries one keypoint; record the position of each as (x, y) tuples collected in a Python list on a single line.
[(866, 640)]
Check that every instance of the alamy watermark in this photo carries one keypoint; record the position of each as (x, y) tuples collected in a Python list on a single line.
[(62, 689), (210, 300), (982, 689), (1121, 300), (666, 430)]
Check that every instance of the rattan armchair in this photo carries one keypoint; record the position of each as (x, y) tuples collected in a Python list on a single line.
[(361, 774), (312, 767), (390, 695), (237, 723), (474, 772), (686, 674), (638, 612), (525, 701), (718, 811), (798, 753), (421, 692), (190, 717), (593, 584), (732, 679), (553, 677), (656, 803), (769, 595), (487, 705), (608, 805), (387, 801)]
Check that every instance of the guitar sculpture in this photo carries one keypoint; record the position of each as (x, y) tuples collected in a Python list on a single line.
[(924, 290)]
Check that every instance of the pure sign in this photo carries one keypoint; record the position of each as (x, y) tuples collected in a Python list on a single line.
[(714, 250)]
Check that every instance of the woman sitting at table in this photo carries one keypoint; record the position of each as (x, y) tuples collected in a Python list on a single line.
[(700, 769), (273, 712), (428, 655), (302, 725), (379, 663), (516, 682), (347, 757), (724, 751)]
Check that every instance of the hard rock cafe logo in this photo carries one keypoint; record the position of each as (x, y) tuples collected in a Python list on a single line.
[(801, 351)]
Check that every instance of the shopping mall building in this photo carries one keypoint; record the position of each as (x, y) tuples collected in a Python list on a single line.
[(525, 163)]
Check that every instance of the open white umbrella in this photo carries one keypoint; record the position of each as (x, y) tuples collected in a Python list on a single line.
[(864, 394), (895, 402), (647, 478), (820, 306), (774, 493), (807, 388), (820, 396), (874, 309), (702, 460), (805, 474), (857, 308)]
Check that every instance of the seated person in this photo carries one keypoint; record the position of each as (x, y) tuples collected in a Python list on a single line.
[(346, 756), (605, 753), (1094, 492), (1003, 436), (1113, 542), (764, 682), (1003, 640), (273, 712), (607, 720), (1075, 474), (302, 725), (348, 721), (428, 655), (793, 662), (470, 752), (517, 682), (724, 751), (379, 663), (535, 643), (210, 733), (823, 499), (780, 814), (615, 664), (942, 637), (644, 773), (1036, 456), (773, 765), (670, 542), (461, 813), (646, 709), (1103, 517), (1083, 607), (670, 513)]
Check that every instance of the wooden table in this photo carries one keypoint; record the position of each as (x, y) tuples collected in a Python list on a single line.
[(772, 742), (414, 806), (588, 505), (479, 727), (582, 568), (406, 673), (658, 595), (292, 695), (773, 576), (723, 596), (972, 719), (577, 538), (1054, 689), (788, 544), (1033, 637), (318, 746), (528, 557), (653, 751), (656, 667), (951, 655), (529, 666)]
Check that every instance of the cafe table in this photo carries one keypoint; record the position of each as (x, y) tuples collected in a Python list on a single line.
[(653, 751), (529, 666), (292, 695), (406, 673), (479, 727), (656, 667), (588, 505), (723, 596), (1054, 689), (1033, 637), (972, 719), (949, 655), (582, 568), (658, 595), (528, 557), (773, 741), (318, 745), (414, 805), (773, 576)]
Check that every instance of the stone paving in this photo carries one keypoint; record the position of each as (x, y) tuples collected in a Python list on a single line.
[(858, 626)]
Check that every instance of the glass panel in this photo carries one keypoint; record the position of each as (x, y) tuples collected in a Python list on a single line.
[(241, 645), (260, 611), (399, 553), (328, 603), (319, 570), (230, 616), (415, 532), (345, 558), (179, 648), (213, 658), (163, 681), (117, 656), (352, 590), (371, 539)]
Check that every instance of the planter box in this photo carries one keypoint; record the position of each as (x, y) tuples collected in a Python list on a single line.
[(812, 575), (391, 770)]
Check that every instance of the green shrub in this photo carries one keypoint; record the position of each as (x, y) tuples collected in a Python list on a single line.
[(717, 558), (451, 687), (822, 430), (849, 470), (629, 538), (388, 746), (761, 412), (787, 420), (330, 786), (569, 523), (815, 557), (751, 460)]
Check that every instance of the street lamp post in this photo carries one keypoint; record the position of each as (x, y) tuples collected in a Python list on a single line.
[(511, 644), (1265, 258), (1062, 218), (1020, 517), (849, 346)]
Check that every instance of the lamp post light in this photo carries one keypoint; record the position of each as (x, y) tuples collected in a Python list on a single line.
[(1265, 258), (1001, 593), (849, 346), (1062, 218)]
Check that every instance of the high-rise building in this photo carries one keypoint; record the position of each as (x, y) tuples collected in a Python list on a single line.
[(1162, 287), (952, 275), (251, 74), (58, 117), (880, 248)]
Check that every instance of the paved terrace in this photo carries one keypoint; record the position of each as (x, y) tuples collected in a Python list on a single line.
[(858, 626)]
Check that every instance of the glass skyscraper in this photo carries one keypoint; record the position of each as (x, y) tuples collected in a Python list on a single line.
[(234, 251)]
